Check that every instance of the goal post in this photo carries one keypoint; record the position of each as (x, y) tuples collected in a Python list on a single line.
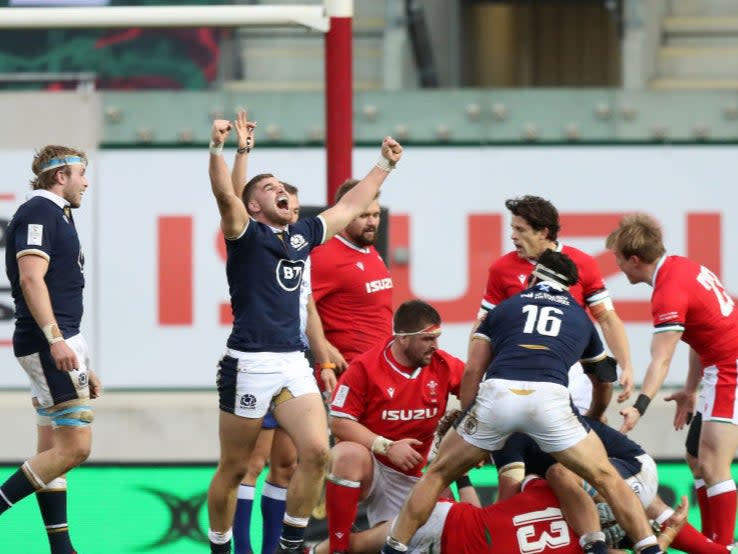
[(333, 18)]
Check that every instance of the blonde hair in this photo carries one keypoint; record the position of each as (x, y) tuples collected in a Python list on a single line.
[(45, 179), (639, 235)]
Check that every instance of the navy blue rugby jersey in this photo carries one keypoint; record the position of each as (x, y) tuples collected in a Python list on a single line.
[(265, 269), (43, 227), (521, 448), (538, 334)]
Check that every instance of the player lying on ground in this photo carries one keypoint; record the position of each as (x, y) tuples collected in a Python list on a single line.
[(531, 521)]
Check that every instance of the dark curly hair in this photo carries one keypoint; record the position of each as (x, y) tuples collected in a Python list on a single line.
[(538, 212)]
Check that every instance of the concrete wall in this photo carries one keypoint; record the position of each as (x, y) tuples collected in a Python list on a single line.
[(182, 427)]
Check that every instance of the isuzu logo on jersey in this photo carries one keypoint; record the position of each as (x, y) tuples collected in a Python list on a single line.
[(289, 274), (409, 415), (378, 284)]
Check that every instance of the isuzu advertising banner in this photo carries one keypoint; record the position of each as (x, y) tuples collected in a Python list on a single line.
[(157, 311)]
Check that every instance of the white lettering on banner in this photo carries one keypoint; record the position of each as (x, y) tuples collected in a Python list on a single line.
[(409, 415), (379, 284), (451, 243)]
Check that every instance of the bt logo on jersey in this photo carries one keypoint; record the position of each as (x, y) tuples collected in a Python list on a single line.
[(409, 415), (289, 273), (378, 284)]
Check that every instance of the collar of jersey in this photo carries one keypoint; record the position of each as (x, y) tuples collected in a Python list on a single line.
[(352, 245), (55, 198), (658, 267), (559, 248), (413, 375), (277, 230)]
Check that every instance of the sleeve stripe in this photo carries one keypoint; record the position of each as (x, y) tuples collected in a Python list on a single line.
[(598, 296), (33, 252), (325, 229), (481, 336), (487, 305), (334, 413), (678, 327)]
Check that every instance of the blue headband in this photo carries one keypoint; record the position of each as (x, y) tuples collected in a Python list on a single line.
[(59, 162)]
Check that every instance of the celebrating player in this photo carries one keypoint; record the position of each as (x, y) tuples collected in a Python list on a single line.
[(352, 287), (264, 365)]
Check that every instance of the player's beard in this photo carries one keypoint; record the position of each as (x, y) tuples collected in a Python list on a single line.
[(364, 239)]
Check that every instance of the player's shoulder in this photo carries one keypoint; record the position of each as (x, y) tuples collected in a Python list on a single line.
[(674, 270), (579, 257), (679, 264), (38, 205), (446, 358), (327, 250), (509, 261)]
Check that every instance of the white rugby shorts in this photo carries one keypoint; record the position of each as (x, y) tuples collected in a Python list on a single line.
[(540, 409), (248, 382)]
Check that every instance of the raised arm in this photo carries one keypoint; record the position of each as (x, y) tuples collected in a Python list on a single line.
[(355, 201), (245, 135), (233, 215)]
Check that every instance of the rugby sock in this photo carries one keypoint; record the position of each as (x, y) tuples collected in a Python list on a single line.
[(273, 501), (293, 532), (721, 499), (593, 543), (690, 539), (52, 502), (242, 519), (342, 503), (220, 543), (19, 485), (701, 490)]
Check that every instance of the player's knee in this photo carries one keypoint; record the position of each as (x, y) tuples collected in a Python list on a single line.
[(559, 474), (281, 473), (348, 453), (711, 470), (281, 470), (315, 458), (255, 466), (74, 454)]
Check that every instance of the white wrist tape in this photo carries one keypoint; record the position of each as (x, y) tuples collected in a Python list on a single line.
[(216, 149), (381, 445), (384, 163), (51, 336)]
